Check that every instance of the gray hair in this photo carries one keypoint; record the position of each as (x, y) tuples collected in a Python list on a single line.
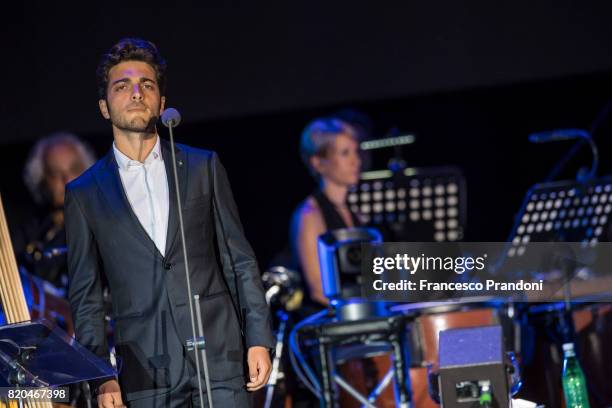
[(318, 136), (34, 171)]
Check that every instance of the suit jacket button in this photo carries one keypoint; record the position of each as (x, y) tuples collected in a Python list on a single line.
[(167, 266)]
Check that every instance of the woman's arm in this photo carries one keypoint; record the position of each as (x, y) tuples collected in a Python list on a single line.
[(310, 226)]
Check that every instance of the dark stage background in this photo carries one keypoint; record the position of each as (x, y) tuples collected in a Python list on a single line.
[(472, 80)]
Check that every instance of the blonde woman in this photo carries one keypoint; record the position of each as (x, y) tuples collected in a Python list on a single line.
[(330, 149)]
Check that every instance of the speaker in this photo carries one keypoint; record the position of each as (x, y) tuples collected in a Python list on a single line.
[(472, 368)]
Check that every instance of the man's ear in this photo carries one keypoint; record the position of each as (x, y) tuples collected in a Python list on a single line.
[(316, 163), (104, 108)]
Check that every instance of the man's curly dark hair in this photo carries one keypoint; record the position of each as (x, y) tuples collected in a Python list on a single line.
[(131, 49)]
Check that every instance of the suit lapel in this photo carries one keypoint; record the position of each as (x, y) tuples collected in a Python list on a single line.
[(181, 168), (109, 183)]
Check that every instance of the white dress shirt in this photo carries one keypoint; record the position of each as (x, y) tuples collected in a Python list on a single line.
[(146, 187)]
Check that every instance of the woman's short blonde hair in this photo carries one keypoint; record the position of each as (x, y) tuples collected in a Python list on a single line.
[(319, 135)]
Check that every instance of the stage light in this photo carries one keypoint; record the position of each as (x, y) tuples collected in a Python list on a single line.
[(387, 142), (453, 235)]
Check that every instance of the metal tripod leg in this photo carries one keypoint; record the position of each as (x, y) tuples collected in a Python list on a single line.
[(401, 362), (326, 376)]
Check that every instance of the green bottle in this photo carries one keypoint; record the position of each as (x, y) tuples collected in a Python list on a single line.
[(574, 384)]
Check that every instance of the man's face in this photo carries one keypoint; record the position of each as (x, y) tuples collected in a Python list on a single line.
[(133, 102), (62, 165)]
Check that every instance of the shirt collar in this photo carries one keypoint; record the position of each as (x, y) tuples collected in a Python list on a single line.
[(125, 163)]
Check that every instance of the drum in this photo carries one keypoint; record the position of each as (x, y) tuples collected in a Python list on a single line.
[(364, 367), (431, 319), (593, 325)]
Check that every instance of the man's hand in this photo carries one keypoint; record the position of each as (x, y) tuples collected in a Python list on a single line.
[(109, 395), (260, 367)]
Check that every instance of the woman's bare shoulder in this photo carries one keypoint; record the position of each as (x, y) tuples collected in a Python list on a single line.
[(309, 213)]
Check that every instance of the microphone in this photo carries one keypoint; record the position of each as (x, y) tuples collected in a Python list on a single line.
[(559, 134), (570, 134), (171, 117)]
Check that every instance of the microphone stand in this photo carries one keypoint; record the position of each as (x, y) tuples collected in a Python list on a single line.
[(195, 343)]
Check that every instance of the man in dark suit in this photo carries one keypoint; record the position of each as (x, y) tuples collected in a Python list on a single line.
[(122, 221)]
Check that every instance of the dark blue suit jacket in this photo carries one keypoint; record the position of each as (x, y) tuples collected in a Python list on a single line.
[(149, 291)]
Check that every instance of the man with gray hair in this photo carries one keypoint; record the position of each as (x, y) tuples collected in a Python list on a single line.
[(54, 161)]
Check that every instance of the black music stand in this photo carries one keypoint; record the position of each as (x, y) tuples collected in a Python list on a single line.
[(413, 204), (562, 211), (37, 354), (390, 330)]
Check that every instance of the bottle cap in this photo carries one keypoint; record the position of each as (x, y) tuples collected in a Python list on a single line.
[(568, 347)]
